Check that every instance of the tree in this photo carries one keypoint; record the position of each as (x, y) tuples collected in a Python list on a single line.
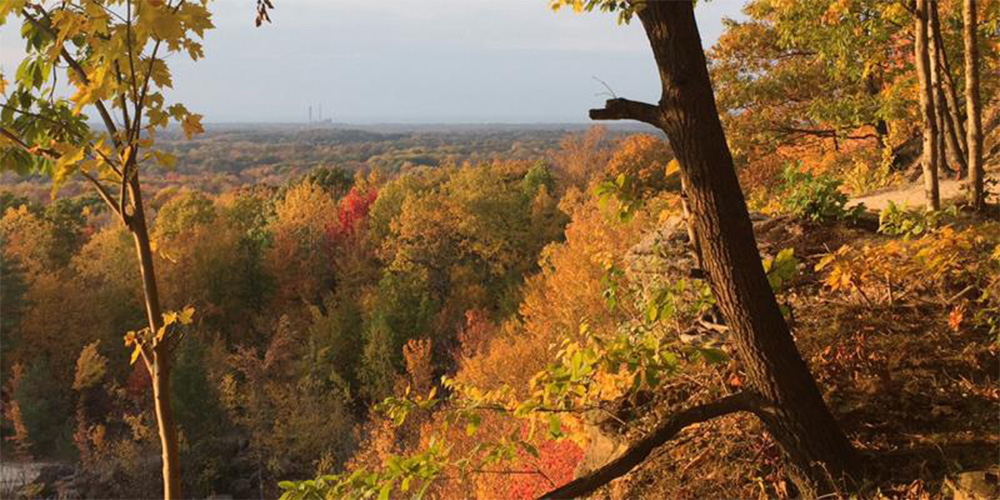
[(12, 303), (796, 73), (973, 106), (643, 158), (43, 404), (579, 157), (945, 101), (300, 257), (115, 57), (781, 390), (929, 156)]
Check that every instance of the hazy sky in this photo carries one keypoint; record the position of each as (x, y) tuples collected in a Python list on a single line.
[(370, 61)]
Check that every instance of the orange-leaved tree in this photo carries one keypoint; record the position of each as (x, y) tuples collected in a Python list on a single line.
[(113, 56)]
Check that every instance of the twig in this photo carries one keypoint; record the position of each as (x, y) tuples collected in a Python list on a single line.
[(610, 93)]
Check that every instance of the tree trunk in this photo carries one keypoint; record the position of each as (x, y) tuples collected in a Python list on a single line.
[(973, 106), (873, 88), (159, 362), (947, 134), (796, 415), (955, 120), (929, 155), (689, 225), (166, 427)]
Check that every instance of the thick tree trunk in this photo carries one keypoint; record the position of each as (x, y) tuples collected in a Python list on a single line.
[(160, 361), (947, 135), (689, 224), (796, 414), (921, 55), (973, 106)]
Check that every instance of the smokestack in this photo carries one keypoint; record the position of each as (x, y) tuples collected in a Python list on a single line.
[(310, 114)]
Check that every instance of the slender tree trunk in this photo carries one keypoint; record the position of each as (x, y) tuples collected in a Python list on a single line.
[(948, 134), (973, 106), (160, 362), (929, 156), (796, 414), (872, 87), (955, 119)]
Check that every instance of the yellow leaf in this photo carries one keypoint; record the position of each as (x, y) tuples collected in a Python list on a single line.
[(160, 74), (673, 167), (192, 125), (165, 159), (161, 21), (186, 316), (135, 354), (69, 157)]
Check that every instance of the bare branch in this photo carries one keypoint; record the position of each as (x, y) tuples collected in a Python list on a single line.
[(610, 93), (826, 133), (105, 195), (625, 109), (639, 451)]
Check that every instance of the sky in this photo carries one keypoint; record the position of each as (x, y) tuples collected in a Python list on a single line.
[(412, 61)]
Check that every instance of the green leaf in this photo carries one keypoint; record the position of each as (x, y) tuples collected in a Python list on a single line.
[(713, 356), (383, 494), (473, 425), (529, 448), (555, 426)]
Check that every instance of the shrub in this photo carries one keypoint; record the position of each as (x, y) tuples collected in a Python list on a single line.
[(815, 197), (903, 221)]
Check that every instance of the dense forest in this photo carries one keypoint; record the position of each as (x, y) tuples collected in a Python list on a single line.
[(782, 282)]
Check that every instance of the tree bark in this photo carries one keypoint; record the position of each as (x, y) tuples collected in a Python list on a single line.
[(160, 363), (957, 122), (873, 88), (947, 134), (798, 417), (929, 155), (973, 106)]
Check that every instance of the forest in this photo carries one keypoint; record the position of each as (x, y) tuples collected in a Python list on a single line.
[(782, 280)]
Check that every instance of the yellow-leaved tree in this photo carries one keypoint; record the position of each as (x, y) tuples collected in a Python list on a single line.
[(113, 56)]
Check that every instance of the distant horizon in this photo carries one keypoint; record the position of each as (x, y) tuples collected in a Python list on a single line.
[(409, 62), (541, 125)]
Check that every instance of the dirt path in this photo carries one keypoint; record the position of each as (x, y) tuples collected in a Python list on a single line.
[(912, 195)]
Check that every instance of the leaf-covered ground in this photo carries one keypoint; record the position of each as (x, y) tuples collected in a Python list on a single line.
[(911, 378)]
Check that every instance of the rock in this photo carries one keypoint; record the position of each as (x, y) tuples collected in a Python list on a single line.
[(662, 255), (603, 445), (975, 485)]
